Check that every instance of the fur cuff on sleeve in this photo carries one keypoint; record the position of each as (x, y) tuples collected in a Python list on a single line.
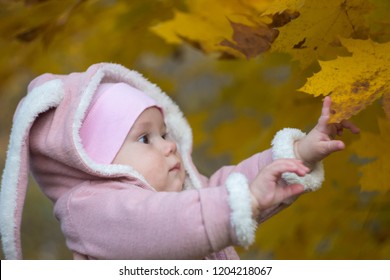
[(283, 147), (239, 199)]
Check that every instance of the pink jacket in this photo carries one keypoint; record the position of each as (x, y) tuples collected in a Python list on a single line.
[(110, 211)]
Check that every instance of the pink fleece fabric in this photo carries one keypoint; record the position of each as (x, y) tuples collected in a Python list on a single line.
[(113, 111)]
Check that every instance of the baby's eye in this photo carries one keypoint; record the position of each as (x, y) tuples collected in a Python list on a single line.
[(144, 139), (164, 136)]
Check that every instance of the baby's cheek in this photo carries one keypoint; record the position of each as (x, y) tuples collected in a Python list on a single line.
[(156, 178)]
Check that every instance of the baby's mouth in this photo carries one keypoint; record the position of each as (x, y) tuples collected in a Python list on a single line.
[(177, 166)]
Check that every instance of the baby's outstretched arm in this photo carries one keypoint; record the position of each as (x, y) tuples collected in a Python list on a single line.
[(268, 190), (319, 142)]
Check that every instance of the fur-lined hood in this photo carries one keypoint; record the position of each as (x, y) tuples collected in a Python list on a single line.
[(58, 160)]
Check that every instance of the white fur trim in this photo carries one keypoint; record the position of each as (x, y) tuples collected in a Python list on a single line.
[(240, 202), (85, 100), (283, 147), (39, 100), (177, 126)]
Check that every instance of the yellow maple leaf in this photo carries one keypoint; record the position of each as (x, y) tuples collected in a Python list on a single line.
[(314, 34), (278, 6), (235, 28), (355, 81), (375, 147)]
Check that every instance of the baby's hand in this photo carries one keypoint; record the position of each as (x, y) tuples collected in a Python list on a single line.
[(268, 190), (320, 143)]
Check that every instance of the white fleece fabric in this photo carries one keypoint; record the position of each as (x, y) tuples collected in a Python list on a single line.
[(44, 99), (283, 147), (240, 203)]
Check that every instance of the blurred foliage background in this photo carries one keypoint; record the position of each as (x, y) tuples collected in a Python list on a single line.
[(235, 100)]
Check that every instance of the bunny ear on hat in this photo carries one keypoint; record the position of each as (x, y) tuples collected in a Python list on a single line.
[(15, 175)]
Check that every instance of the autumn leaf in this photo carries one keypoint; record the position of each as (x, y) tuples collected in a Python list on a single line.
[(278, 6), (251, 41), (314, 35), (209, 26), (254, 40), (354, 81)]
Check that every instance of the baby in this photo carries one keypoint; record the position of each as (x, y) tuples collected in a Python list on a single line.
[(113, 153)]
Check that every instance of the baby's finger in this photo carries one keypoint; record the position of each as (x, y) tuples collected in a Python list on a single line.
[(351, 126), (295, 189), (326, 106), (278, 167), (332, 146), (325, 114)]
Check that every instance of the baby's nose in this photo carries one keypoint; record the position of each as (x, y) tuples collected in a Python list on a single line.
[(169, 146)]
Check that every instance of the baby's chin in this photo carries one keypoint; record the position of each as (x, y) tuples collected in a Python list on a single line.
[(176, 185)]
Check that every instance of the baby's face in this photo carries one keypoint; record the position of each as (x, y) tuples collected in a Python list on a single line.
[(152, 154)]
